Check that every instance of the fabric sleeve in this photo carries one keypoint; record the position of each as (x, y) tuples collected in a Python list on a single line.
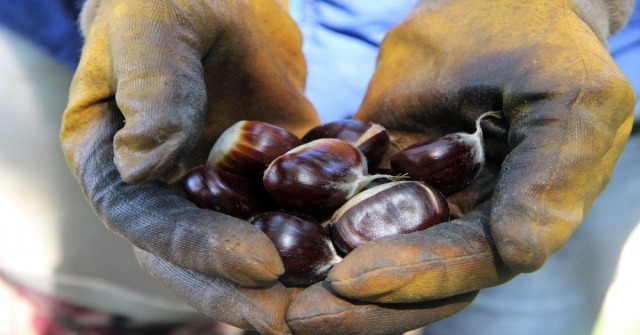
[(51, 24)]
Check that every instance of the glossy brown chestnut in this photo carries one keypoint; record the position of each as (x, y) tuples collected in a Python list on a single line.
[(248, 147), (449, 163), (213, 188), (388, 209), (317, 176), (304, 246), (370, 138)]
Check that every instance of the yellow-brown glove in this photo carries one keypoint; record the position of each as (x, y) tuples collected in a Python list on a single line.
[(157, 83), (567, 111)]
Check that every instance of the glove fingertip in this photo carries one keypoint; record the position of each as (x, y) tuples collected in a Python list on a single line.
[(246, 255), (522, 257), (257, 275), (526, 230)]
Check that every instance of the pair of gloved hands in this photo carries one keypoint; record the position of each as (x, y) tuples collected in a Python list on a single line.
[(179, 72)]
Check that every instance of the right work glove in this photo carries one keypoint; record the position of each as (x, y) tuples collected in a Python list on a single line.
[(567, 112), (157, 83)]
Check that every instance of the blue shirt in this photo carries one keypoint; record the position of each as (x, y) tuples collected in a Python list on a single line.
[(341, 40), (48, 23)]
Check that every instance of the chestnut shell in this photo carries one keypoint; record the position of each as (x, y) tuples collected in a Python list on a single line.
[(449, 163), (388, 209), (317, 176), (248, 147), (370, 138), (213, 188), (302, 243)]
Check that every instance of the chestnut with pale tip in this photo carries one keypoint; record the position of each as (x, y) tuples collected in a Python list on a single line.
[(389, 209), (213, 188), (302, 243), (248, 147), (370, 138), (449, 163), (318, 176)]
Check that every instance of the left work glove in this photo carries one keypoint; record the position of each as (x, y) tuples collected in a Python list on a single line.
[(157, 83), (567, 111)]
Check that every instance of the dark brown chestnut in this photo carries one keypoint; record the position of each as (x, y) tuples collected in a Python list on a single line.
[(394, 208), (370, 138), (317, 176), (449, 163), (213, 188), (303, 244), (248, 147)]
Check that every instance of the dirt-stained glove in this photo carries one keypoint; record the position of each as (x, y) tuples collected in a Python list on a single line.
[(567, 112), (157, 83)]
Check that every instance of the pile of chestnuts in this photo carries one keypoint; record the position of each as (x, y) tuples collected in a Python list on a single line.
[(288, 187)]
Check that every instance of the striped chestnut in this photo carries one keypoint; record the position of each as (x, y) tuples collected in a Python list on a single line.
[(248, 147), (302, 243), (318, 176), (449, 163), (370, 138), (393, 208), (213, 188)]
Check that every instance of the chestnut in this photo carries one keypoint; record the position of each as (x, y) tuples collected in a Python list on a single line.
[(213, 188), (318, 176), (449, 163), (302, 243), (394, 208), (248, 147), (370, 138)]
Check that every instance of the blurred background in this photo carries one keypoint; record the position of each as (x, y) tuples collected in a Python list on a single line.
[(52, 244)]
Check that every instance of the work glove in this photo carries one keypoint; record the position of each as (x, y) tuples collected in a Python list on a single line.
[(567, 111), (157, 83)]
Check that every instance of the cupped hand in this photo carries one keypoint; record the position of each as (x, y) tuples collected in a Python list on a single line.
[(567, 109), (567, 112), (157, 83)]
